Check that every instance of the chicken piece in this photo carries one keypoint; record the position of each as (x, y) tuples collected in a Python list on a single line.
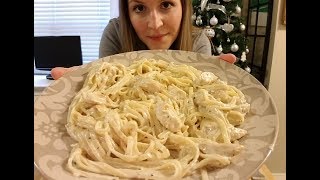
[(207, 78), (209, 129), (212, 110), (168, 116), (148, 85), (235, 118), (201, 97), (236, 133), (93, 98), (176, 93)]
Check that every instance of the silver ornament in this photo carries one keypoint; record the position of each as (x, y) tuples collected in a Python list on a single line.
[(213, 20), (242, 27), (228, 40), (234, 47), (238, 9), (219, 49), (247, 50), (227, 27), (199, 21), (209, 32), (193, 17), (247, 69)]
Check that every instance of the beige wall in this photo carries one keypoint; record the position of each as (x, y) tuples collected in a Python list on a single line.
[(276, 84)]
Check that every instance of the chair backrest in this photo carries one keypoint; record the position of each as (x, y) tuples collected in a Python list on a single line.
[(57, 51)]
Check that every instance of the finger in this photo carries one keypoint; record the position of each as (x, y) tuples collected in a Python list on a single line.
[(230, 58), (58, 72)]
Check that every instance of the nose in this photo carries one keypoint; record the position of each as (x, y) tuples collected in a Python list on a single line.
[(155, 20)]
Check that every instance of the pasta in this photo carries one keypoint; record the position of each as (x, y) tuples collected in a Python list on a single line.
[(153, 120)]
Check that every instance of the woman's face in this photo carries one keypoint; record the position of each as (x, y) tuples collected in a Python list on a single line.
[(156, 22)]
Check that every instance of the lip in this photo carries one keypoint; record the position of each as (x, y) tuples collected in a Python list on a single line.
[(157, 36)]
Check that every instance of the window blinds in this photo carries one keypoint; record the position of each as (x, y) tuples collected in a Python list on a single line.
[(86, 18)]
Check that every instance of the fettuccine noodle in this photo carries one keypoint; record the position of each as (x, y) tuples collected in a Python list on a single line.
[(153, 120)]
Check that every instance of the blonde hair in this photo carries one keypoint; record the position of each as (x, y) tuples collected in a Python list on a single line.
[(129, 38)]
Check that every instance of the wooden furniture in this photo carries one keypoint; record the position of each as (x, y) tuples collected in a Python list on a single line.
[(263, 174)]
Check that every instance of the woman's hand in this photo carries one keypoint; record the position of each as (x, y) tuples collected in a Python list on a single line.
[(230, 58), (58, 72)]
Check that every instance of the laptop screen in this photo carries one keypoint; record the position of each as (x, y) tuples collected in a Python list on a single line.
[(57, 51)]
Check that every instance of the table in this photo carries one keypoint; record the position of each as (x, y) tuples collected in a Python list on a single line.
[(40, 83), (263, 174)]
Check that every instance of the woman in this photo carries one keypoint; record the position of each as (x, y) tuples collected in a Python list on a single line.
[(152, 25), (156, 24)]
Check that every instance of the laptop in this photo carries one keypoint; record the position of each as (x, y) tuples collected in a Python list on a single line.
[(56, 51)]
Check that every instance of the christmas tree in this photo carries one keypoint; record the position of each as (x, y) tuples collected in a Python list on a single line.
[(224, 26)]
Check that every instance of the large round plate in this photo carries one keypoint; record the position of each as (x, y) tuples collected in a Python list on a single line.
[(52, 143)]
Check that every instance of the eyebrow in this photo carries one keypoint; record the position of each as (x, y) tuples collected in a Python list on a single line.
[(136, 1)]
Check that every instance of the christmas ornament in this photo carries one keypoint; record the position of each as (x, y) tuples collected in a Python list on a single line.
[(219, 49), (209, 32), (222, 8), (207, 8), (238, 9), (199, 21), (247, 69), (243, 57), (234, 47), (221, 22), (247, 49), (242, 27), (193, 17), (227, 27), (203, 4), (213, 20)]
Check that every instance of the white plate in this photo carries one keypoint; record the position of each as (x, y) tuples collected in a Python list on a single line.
[(52, 143)]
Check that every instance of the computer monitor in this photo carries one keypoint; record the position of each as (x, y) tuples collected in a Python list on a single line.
[(57, 51)]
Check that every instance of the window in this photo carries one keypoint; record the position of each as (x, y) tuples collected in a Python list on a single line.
[(86, 18)]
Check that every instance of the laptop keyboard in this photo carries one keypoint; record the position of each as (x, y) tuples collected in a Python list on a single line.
[(40, 72)]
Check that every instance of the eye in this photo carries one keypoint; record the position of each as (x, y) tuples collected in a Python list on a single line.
[(138, 8), (166, 5)]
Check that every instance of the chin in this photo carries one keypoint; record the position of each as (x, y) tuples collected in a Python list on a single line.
[(158, 47)]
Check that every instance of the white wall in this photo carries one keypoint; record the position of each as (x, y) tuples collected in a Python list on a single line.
[(276, 84)]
